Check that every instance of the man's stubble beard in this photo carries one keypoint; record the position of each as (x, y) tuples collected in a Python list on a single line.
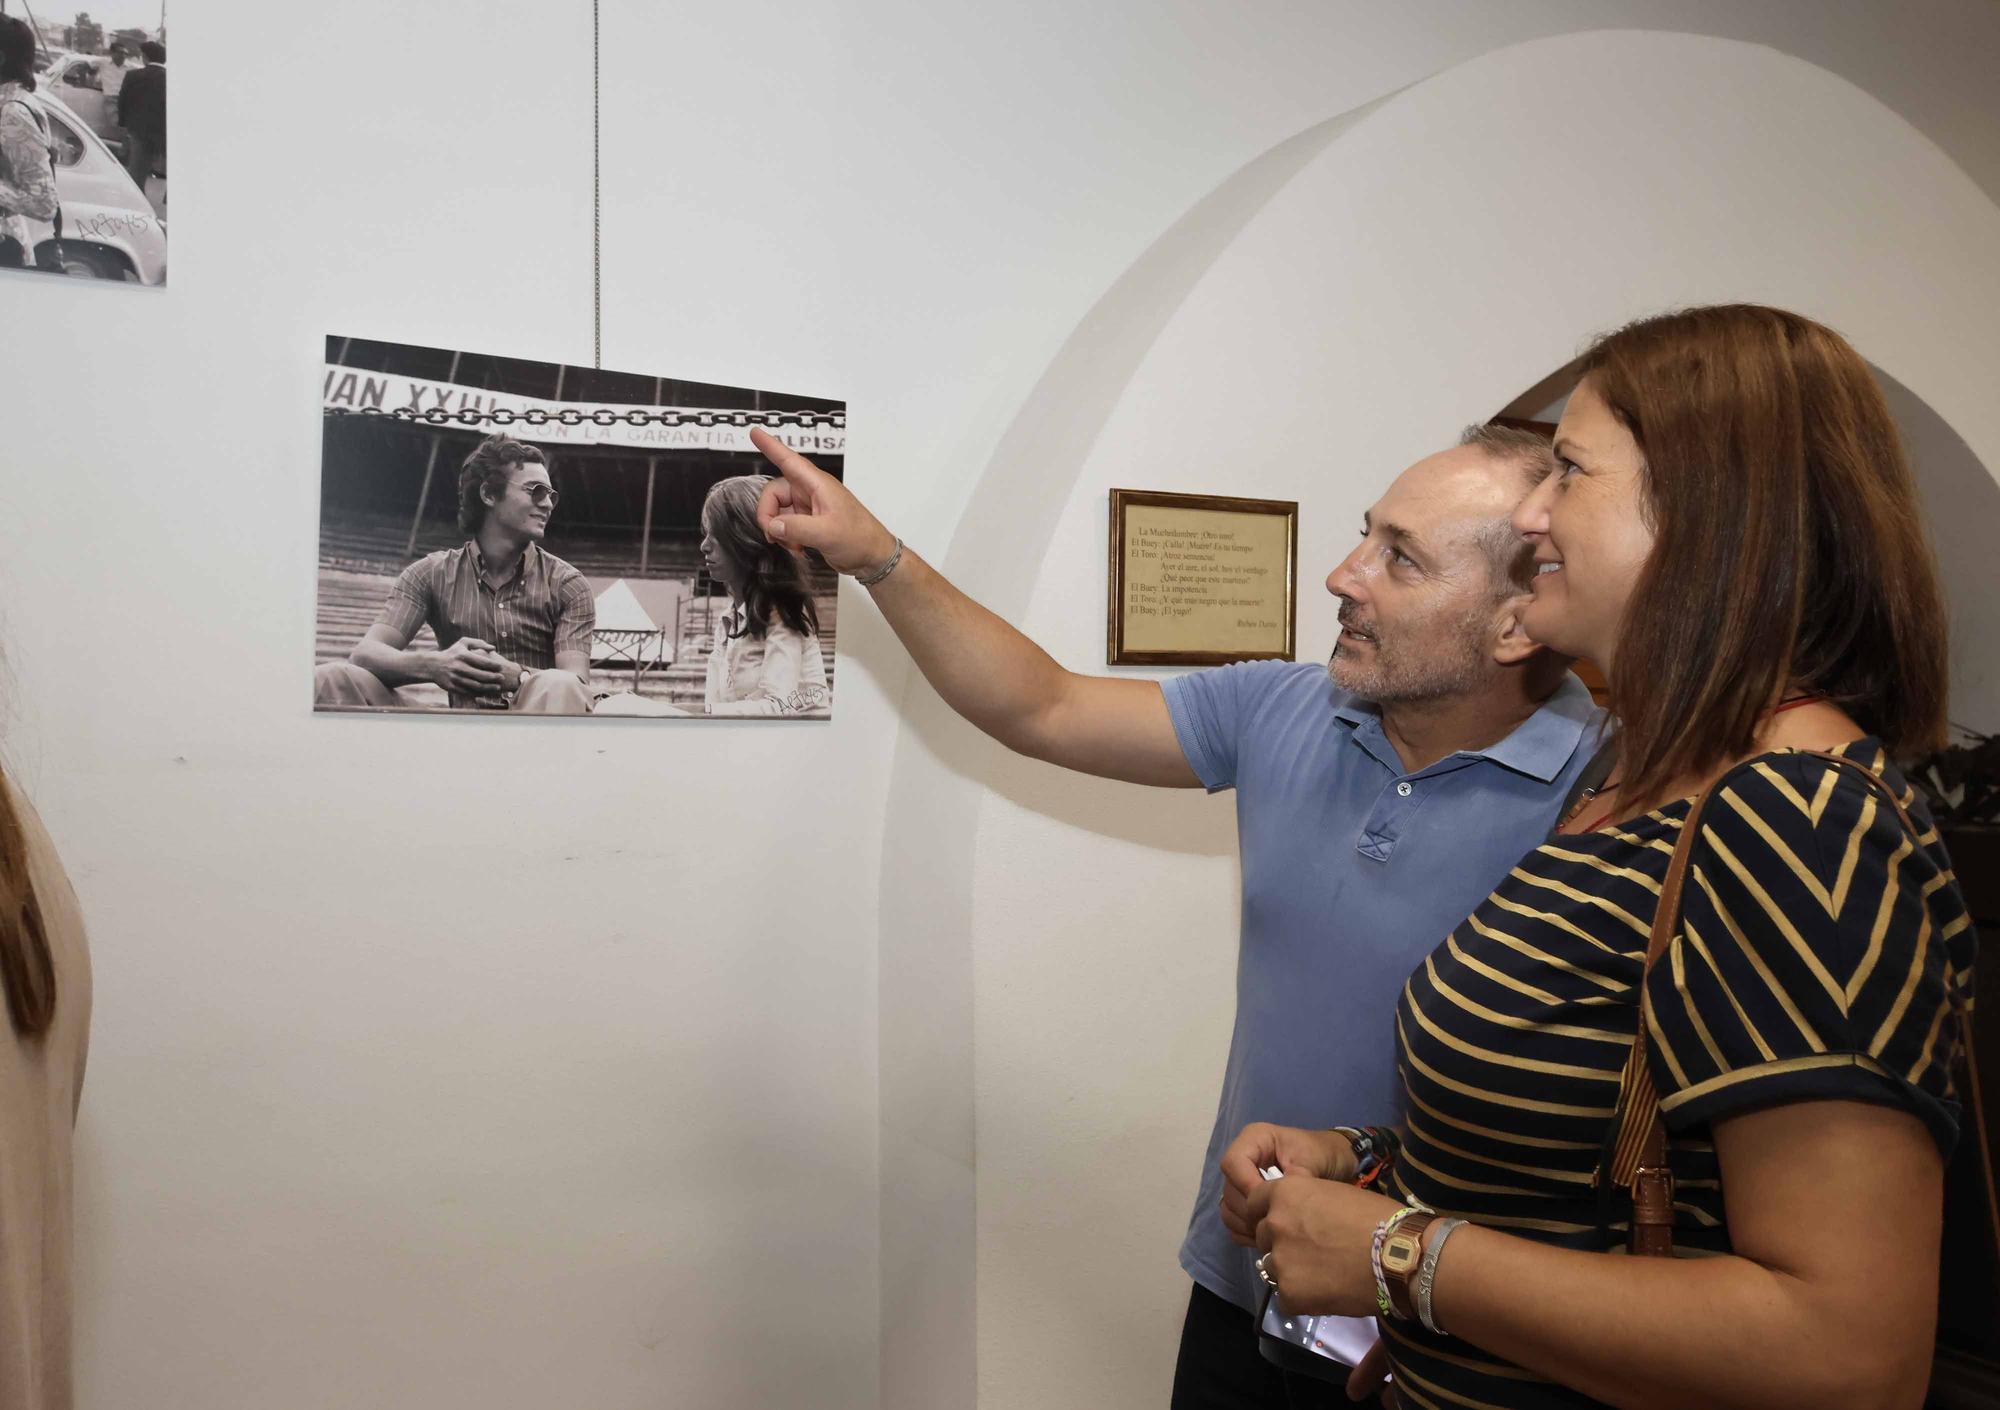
[(1399, 677)]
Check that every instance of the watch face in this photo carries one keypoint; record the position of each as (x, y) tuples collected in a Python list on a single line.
[(1401, 1251)]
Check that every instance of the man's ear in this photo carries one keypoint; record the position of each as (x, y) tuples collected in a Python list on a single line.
[(1511, 643)]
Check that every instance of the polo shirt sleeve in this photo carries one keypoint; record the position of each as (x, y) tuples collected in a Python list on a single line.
[(1210, 710), (411, 599), (1823, 955)]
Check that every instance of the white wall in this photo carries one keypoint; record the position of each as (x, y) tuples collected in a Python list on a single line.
[(1962, 502), (396, 1101)]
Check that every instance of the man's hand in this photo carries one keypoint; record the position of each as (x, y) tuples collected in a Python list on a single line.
[(469, 666), (807, 508), (1324, 1155)]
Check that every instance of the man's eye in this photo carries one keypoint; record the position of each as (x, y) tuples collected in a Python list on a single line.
[(1402, 557)]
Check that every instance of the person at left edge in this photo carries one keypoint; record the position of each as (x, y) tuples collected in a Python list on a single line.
[(28, 201), (513, 621)]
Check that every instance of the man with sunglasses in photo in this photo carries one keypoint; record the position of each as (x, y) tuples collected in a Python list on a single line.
[(513, 622)]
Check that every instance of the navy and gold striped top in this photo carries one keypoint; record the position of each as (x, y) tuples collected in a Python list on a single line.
[(1821, 951)]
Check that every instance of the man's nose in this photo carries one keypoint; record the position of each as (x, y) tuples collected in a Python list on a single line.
[(1343, 581), (1531, 515)]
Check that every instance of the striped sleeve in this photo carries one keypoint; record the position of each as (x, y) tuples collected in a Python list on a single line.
[(576, 614), (1819, 956), (411, 599)]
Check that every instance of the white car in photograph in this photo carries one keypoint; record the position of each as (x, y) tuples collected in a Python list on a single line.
[(88, 86), (109, 229)]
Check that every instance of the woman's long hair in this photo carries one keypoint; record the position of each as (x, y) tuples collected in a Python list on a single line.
[(27, 968), (17, 52), (1789, 547), (774, 586)]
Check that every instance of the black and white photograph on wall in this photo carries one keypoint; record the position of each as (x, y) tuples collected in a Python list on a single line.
[(83, 141), (498, 534)]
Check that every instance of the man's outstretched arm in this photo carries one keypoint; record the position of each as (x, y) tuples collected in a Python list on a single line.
[(986, 670)]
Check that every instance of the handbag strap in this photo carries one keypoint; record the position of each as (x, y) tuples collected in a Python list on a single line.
[(1638, 1153), (1588, 785)]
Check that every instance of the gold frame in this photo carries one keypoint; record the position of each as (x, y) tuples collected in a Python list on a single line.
[(1116, 653)]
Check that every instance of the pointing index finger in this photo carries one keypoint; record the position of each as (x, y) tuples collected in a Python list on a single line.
[(789, 462)]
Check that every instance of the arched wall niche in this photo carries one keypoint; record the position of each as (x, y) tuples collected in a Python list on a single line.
[(1057, 954)]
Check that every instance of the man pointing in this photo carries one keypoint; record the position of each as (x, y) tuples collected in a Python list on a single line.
[(1379, 799)]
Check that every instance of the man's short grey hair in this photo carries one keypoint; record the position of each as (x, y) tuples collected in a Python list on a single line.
[(1531, 454)]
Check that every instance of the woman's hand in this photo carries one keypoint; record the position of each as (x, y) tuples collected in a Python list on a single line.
[(1316, 1236), (1324, 1155)]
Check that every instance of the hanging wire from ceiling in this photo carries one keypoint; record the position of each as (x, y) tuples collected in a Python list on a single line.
[(596, 203)]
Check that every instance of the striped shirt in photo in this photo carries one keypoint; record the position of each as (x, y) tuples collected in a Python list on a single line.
[(545, 608)]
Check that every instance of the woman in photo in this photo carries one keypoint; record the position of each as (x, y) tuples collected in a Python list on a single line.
[(45, 971), (1733, 534), (766, 659), (28, 203)]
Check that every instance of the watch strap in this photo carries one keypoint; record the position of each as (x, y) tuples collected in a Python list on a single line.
[(1402, 1255)]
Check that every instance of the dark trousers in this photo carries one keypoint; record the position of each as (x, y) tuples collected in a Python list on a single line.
[(144, 157), (1220, 1367)]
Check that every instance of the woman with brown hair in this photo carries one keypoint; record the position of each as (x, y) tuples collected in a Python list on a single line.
[(767, 658), (1733, 533), (45, 970)]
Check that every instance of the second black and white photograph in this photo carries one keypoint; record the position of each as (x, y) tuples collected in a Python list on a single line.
[(500, 534)]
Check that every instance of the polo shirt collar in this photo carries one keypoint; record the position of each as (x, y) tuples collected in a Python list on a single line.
[(1541, 746)]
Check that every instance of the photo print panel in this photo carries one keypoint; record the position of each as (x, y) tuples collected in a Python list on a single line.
[(83, 142), (497, 534)]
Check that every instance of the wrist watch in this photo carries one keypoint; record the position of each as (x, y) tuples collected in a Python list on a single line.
[(1402, 1253), (507, 697)]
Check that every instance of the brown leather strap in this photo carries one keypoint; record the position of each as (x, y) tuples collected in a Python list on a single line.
[(1401, 1301), (1638, 1157), (1638, 1098)]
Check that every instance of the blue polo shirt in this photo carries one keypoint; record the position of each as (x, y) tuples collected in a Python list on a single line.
[(1353, 871)]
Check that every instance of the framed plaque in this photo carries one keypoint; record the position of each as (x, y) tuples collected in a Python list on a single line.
[(1202, 579)]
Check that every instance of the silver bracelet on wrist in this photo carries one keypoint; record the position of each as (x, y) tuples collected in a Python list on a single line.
[(885, 570), (1427, 1272)]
